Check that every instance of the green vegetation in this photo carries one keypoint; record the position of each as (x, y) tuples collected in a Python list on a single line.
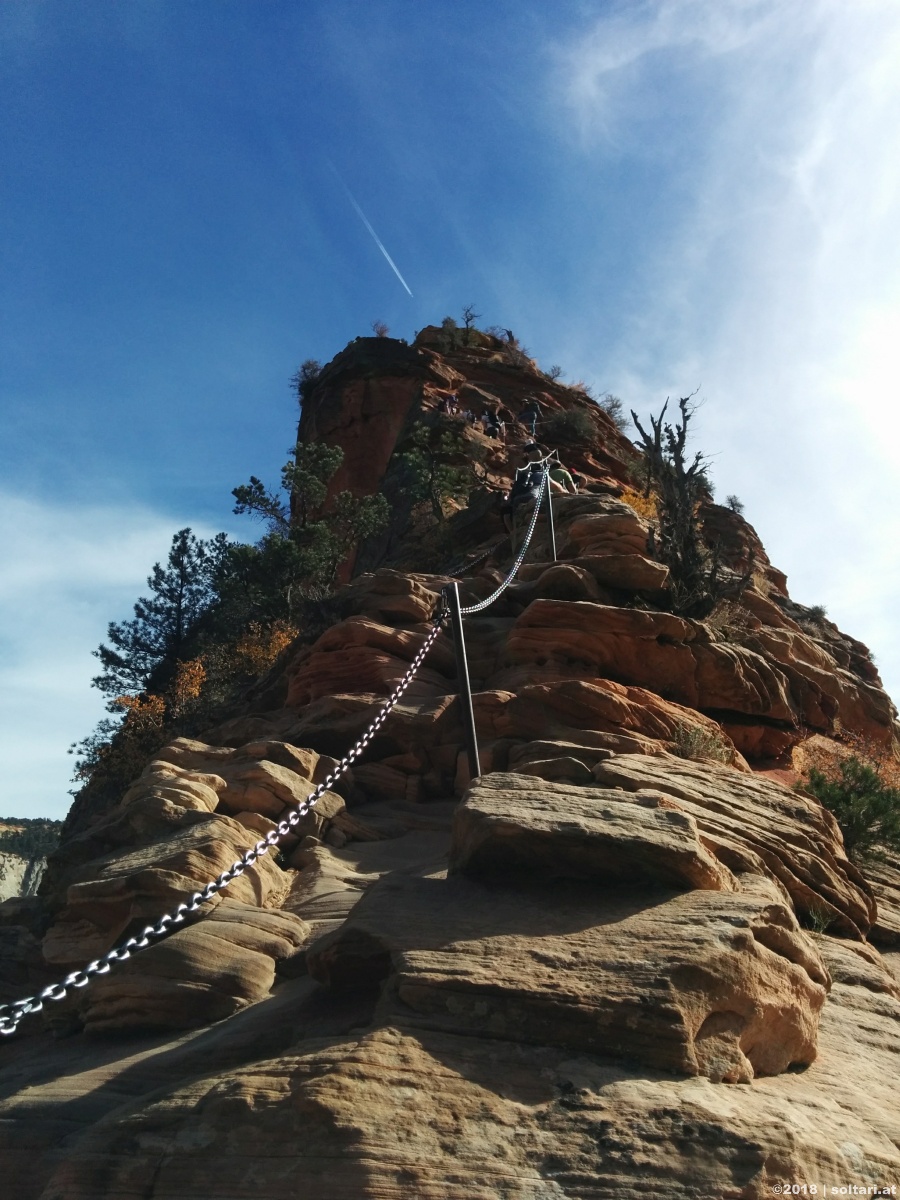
[(571, 428), (817, 918), (38, 838), (439, 466), (219, 613), (615, 409), (305, 378), (866, 808), (698, 579), (735, 504), (695, 742), (297, 559), (155, 639)]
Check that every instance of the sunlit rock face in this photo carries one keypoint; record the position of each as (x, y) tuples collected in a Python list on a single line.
[(19, 876), (630, 959)]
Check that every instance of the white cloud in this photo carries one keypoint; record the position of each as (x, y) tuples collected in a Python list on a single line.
[(68, 571), (603, 74), (778, 287)]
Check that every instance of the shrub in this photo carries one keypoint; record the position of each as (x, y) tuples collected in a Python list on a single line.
[(305, 378), (572, 428), (555, 372), (818, 918), (438, 466), (585, 389), (735, 504), (380, 329), (700, 744), (865, 807), (615, 410), (697, 578), (644, 505), (818, 612), (731, 620)]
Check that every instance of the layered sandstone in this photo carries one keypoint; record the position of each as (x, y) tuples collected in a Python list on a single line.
[(598, 971)]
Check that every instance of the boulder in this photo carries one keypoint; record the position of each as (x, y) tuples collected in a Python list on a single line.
[(753, 824), (506, 824), (720, 984), (201, 973), (138, 885)]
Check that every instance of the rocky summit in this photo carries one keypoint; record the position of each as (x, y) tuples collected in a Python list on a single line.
[(629, 959)]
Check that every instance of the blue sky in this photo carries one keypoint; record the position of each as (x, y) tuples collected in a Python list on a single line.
[(655, 195)]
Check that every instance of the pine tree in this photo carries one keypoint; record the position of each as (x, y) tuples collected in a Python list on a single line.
[(298, 558), (152, 643)]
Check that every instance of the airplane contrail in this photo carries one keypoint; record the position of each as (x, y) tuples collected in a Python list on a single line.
[(378, 241)]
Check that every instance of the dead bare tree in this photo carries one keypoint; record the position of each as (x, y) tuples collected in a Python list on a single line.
[(470, 316), (698, 577)]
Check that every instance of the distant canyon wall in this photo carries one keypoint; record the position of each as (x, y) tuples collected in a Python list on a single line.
[(19, 876)]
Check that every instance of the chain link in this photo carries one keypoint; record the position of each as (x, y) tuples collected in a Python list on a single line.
[(11, 1014), (483, 604), (464, 565)]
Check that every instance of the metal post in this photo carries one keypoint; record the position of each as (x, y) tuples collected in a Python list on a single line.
[(550, 518), (462, 675)]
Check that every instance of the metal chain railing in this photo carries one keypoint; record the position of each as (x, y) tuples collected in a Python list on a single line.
[(520, 558), (468, 564), (11, 1014)]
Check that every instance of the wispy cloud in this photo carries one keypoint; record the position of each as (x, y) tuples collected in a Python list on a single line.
[(777, 283), (67, 572), (603, 74)]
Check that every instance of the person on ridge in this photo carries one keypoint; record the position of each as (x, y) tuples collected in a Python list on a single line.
[(561, 479), (526, 487), (530, 415)]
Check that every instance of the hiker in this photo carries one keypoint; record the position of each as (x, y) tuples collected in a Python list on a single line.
[(490, 424), (449, 402), (561, 479), (526, 486), (530, 415)]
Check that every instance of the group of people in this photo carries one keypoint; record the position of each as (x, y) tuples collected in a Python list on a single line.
[(526, 486), (534, 458), (492, 423)]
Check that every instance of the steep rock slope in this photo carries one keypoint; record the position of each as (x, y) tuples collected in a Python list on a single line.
[(584, 975)]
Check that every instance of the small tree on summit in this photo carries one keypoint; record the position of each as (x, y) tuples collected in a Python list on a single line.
[(305, 379), (697, 576), (469, 316), (181, 592)]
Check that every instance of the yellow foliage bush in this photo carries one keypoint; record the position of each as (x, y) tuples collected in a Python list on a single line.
[(143, 712), (187, 685), (645, 506), (257, 649)]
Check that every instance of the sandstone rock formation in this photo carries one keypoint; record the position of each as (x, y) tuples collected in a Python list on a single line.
[(631, 959)]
